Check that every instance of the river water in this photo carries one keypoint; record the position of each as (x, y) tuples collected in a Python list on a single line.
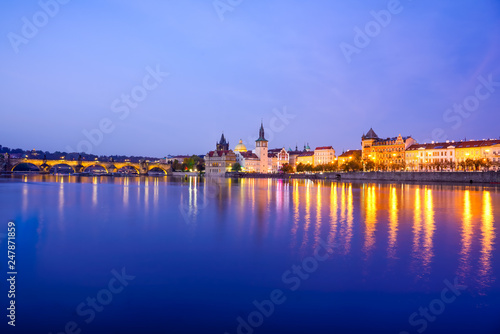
[(165, 255)]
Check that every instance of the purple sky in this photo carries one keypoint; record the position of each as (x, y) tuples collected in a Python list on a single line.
[(229, 69)]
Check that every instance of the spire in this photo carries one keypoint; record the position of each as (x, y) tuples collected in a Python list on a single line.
[(261, 133), (371, 134), (222, 145), (222, 139)]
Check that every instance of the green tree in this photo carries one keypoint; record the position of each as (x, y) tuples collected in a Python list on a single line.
[(286, 168), (236, 167), (308, 168), (319, 168), (300, 168), (369, 165), (176, 166)]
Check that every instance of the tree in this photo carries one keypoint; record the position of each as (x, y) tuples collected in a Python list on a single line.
[(319, 168), (381, 166), (308, 168), (369, 165), (286, 168), (438, 165), (176, 166), (486, 164), (469, 163), (330, 167), (300, 168), (236, 167), (449, 164)]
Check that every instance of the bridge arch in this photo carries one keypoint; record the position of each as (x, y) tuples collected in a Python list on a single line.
[(24, 164), (125, 167), (61, 164), (157, 167), (96, 165)]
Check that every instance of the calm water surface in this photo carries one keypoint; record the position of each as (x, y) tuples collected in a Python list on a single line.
[(201, 252)]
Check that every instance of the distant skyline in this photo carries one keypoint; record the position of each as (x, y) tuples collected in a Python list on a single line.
[(157, 78)]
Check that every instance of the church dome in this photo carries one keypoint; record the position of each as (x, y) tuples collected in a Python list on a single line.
[(240, 147)]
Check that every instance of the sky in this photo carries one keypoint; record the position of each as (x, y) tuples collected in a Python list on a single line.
[(155, 78)]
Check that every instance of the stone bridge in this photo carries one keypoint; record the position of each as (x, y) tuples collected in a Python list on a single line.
[(78, 166)]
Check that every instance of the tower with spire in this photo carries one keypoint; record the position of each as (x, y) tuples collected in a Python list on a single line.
[(261, 150), (222, 145)]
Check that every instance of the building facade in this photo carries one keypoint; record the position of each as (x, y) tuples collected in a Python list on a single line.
[(306, 158), (451, 155), (220, 161), (423, 156), (248, 161), (384, 151), (324, 155), (277, 158)]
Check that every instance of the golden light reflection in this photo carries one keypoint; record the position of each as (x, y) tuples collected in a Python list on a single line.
[(317, 225), (393, 223), (333, 213), (146, 194), (296, 215), (417, 228), (307, 217), (350, 220), (429, 228), (466, 238), (487, 240), (370, 219)]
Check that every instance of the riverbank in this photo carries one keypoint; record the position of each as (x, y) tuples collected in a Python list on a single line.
[(434, 177)]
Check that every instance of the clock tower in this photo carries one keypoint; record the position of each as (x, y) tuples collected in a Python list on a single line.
[(261, 150)]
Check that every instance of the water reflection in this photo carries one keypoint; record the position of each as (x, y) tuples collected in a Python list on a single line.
[(317, 225), (294, 215), (393, 223), (466, 239), (333, 214), (429, 227), (487, 240), (370, 219), (417, 228), (307, 217)]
